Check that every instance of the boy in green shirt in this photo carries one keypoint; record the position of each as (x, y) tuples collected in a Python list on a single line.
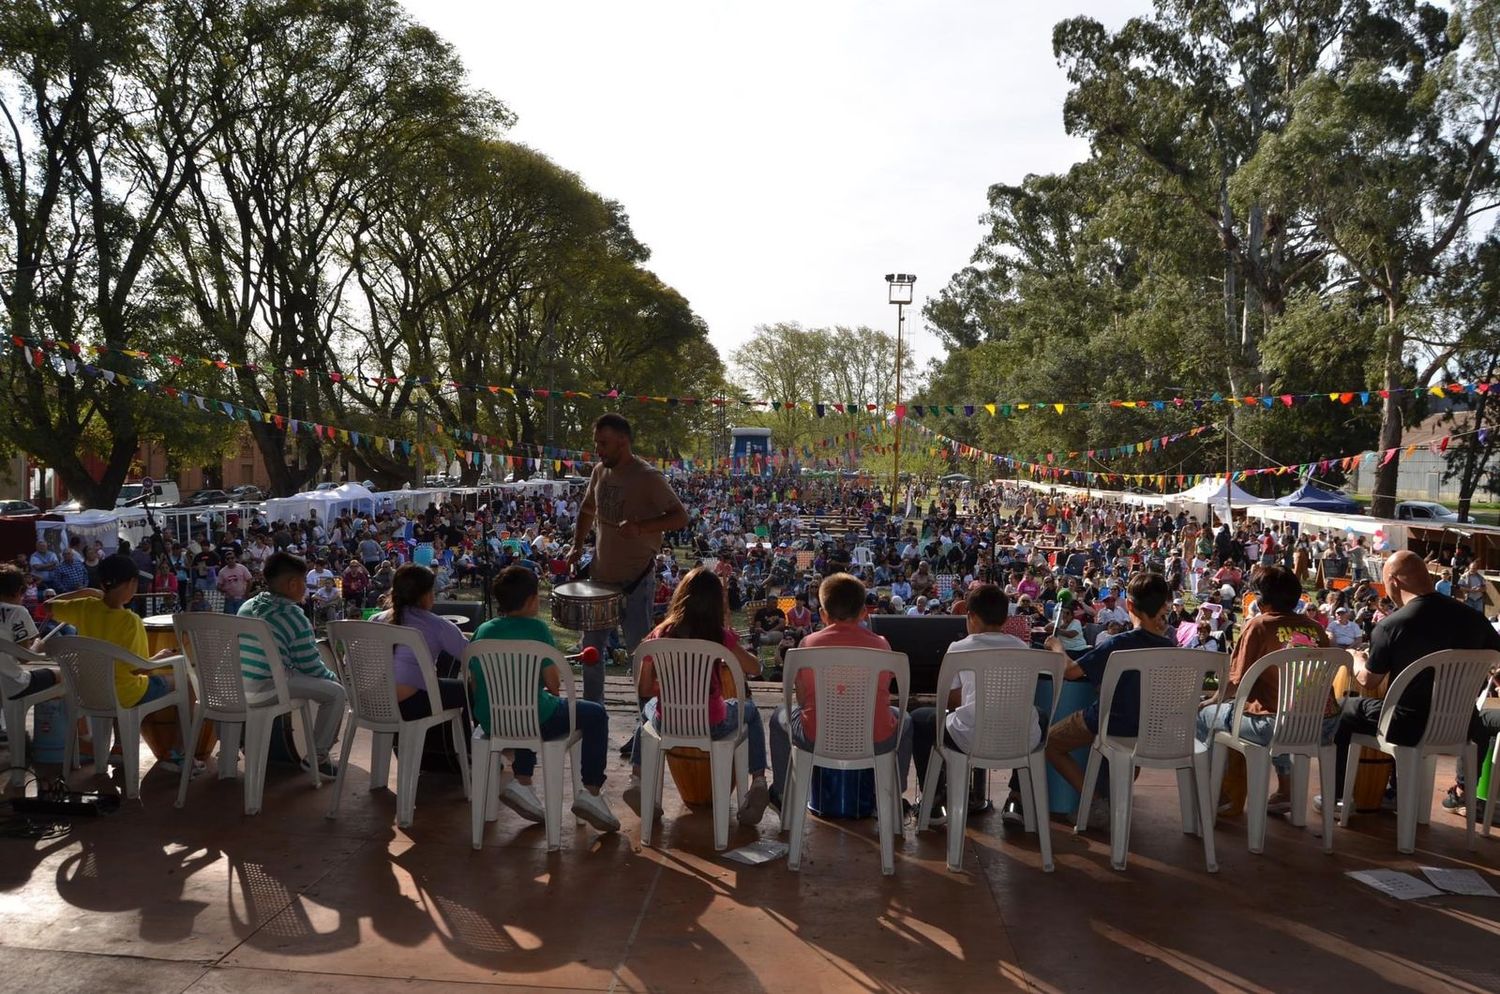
[(517, 599)]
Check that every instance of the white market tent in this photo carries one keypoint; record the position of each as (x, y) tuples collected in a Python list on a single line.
[(89, 526), (1214, 494), (327, 504)]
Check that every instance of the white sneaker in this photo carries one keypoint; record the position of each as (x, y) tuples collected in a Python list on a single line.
[(595, 810), (1338, 806), (521, 799)]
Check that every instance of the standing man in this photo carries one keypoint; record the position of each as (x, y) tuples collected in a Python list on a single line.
[(233, 581), (628, 505)]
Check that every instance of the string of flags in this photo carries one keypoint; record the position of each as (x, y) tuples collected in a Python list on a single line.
[(401, 448), (820, 408), (1049, 466), (1056, 473)]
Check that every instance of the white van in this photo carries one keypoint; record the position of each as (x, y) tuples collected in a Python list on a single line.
[(164, 494)]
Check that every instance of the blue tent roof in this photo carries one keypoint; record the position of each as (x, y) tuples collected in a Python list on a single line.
[(1317, 499)]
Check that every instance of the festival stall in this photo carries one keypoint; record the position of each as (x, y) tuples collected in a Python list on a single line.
[(1217, 495), (326, 504), (1315, 498)]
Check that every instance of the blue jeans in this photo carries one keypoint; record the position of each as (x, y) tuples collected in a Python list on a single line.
[(232, 605), (593, 722), (635, 618), (1253, 728), (157, 687), (756, 739)]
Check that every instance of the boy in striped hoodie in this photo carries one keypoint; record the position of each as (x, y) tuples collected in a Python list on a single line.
[(280, 606)]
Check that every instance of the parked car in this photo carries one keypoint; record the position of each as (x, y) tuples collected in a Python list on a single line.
[(203, 497), (18, 507), (247, 493), (1425, 510)]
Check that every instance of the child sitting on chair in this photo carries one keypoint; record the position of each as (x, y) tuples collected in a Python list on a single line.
[(700, 610), (517, 601), (843, 603)]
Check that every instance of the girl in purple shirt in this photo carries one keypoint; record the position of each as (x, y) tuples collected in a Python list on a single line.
[(413, 592)]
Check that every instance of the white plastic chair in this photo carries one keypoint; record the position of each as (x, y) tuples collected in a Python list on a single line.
[(212, 644), (88, 671), (1166, 739), (1304, 682), (363, 654), (11, 658), (1004, 710), (1459, 676), (685, 669), (846, 687), (512, 674)]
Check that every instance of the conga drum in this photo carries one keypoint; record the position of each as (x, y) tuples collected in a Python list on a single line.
[(1375, 767), (160, 634), (160, 728), (691, 769), (693, 774)]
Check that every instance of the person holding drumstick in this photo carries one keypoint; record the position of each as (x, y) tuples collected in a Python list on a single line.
[(1424, 622), (628, 505)]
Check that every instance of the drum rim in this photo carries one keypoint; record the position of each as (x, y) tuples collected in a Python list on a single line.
[(603, 591)]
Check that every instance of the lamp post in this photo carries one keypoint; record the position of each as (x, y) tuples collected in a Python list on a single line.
[(900, 290)]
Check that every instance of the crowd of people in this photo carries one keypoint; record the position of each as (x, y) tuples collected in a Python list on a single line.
[(804, 562)]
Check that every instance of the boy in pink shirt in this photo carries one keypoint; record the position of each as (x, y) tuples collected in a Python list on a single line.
[(843, 600)]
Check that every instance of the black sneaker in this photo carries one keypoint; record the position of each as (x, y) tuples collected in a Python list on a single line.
[(939, 816), (1454, 800), (625, 749), (1011, 813)]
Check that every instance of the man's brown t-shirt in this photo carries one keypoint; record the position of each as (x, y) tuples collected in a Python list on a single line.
[(632, 491), (1265, 633)]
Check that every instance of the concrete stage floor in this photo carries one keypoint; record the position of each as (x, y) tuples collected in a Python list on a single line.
[(207, 900)]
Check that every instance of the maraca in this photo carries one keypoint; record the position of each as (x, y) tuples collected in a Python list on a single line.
[(589, 656)]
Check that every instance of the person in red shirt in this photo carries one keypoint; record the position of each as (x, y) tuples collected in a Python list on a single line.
[(843, 600), (699, 609)]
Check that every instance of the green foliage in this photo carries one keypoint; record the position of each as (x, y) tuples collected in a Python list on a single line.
[(1275, 197)]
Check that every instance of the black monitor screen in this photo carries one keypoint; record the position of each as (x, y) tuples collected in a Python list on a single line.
[(925, 640)]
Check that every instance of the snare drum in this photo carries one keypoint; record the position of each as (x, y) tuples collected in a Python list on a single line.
[(587, 606)]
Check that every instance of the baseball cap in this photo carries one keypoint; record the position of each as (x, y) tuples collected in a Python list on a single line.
[(117, 569)]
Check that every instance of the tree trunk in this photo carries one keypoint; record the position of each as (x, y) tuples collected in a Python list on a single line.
[(1383, 504)]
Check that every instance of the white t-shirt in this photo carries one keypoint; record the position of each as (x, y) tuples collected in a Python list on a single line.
[(1344, 633), (961, 720), (17, 626)]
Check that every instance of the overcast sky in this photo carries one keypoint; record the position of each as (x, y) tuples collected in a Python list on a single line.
[(779, 158)]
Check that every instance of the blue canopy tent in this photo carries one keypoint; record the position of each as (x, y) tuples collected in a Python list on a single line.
[(1317, 499)]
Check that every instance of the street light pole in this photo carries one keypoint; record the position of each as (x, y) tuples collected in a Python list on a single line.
[(896, 459), (900, 293)]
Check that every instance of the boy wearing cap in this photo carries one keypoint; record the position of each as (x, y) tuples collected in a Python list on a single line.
[(105, 614)]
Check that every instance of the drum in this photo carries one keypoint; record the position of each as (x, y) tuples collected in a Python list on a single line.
[(586, 606), (693, 774), (160, 634), (1375, 767), (841, 793), (288, 745)]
